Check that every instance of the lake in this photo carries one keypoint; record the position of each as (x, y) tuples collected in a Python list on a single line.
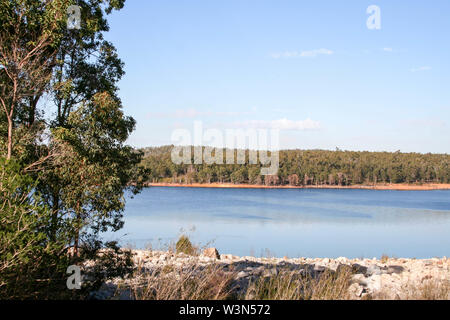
[(292, 222)]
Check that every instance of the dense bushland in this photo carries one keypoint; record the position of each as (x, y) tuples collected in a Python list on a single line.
[(308, 167)]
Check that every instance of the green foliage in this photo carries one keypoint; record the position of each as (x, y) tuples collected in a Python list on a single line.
[(309, 167), (65, 177), (28, 261), (108, 261), (184, 245)]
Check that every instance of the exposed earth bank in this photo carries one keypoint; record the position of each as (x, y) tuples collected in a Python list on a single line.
[(398, 186)]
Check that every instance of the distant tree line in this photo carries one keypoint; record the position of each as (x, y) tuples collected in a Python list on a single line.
[(306, 167)]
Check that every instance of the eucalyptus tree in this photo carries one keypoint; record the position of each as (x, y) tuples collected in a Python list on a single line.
[(29, 35), (63, 124)]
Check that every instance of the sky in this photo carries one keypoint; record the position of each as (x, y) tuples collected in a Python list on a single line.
[(312, 69)]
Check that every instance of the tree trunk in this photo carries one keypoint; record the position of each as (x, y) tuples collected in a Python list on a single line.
[(55, 209), (77, 234), (10, 139)]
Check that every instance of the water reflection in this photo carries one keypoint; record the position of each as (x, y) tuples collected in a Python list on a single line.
[(329, 223)]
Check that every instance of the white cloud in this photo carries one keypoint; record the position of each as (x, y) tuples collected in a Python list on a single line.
[(281, 124), (303, 54), (388, 49), (424, 68)]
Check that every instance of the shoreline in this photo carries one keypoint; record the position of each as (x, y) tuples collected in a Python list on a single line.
[(385, 278), (398, 187)]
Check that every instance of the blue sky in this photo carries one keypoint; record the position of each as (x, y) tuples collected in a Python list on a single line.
[(311, 68)]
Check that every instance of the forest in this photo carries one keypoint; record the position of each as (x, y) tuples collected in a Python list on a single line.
[(306, 167)]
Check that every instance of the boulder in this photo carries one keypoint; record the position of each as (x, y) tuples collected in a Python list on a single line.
[(242, 274), (359, 279), (356, 291), (375, 270), (211, 253), (357, 268), (319, 268)]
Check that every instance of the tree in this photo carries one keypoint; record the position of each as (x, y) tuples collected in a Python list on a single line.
[(321, 167), (293, 179), (254, 175), (94, 167), (29, 35), (78, 162), (240, 175), (28, 261)]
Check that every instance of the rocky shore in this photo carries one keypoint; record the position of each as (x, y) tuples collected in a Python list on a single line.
[(388, 278)]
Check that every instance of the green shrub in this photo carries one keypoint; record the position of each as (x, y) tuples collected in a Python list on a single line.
[(184, 245), (33, 263), (28, 261)]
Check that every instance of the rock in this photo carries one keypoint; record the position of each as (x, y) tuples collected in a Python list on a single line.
[(356, 290), (226, 256), (258, 271), (373, 279), (373, 269), (343, 268), (395, 269), (319, 268), (334, 265), (273, 272), (241, 274), (211, 253), (359, 279), (163, 257), (357, 268), (374, 283), (203, 259), (342, 260)]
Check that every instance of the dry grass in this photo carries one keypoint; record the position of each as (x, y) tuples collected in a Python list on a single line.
[(431, 290), (384, 258), (291, 285), (191, 283), (427, 290), (212, 282)]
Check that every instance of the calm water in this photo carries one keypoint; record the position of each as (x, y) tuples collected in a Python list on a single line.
[(298, 222)]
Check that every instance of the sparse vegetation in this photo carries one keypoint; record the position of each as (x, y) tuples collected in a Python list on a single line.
[(185, 246), (384, 258), (292, 285), (429, 289), (213, 282), (193, 282)]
